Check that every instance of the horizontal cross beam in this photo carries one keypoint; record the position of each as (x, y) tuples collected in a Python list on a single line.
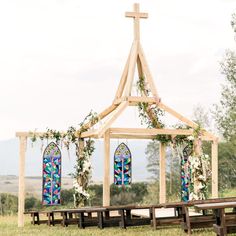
[(136, 15)]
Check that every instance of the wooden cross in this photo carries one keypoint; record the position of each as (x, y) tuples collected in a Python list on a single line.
[(136, 15)]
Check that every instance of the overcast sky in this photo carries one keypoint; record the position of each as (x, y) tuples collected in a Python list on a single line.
[(61, 58)]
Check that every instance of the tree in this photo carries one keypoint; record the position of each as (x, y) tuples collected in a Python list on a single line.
[(172, 173), (225, 112), (152, 154), (201, 117)]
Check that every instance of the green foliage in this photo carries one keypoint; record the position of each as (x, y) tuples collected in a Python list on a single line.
[(119, 196), (172, 173), (67, 198), (152, 155), (82, 173), (227, 165), (32, 203), (128, 195), (225, 112), (149, 114), (8, 204)]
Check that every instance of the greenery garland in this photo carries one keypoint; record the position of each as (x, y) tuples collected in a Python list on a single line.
[(82, 174), (199, 163)]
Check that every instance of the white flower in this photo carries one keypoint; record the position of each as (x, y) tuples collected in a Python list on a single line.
[(190, 138), (86, 166)]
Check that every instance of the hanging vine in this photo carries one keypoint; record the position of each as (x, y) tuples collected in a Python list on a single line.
[(83, 150), (199, 163)]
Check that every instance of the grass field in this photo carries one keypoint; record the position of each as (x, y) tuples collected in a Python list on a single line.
[(8, 226)]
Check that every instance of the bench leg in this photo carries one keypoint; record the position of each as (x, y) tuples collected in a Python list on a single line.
[(186, 220), (220, 222), (52, 219), (122, 222), (64, 219), (100, 220), (154, 222), (81, 220), (107, 215)]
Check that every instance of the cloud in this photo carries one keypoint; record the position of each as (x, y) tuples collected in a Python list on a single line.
[(59, 59)]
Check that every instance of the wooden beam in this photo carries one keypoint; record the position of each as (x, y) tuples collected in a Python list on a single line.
[(214, 168), (131, 136), (135, 100), (131, 69), (140, 69), (113, 116), (134, 14), (147, 72), (106, 180), (21, 190), (123, 79), (120, 100), (143, 131), (101, 115), (184, 119), (89, 134), (162, 174)]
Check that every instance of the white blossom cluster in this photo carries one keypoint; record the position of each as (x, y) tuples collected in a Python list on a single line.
[(200, 172), (79, 189)]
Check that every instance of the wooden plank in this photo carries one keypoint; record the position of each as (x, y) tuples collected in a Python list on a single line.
[(184, 119), (106, 180), (131, 69), (90, 133), (101, 115), (136, 14), (143, 131), (147, 72), (135, 100), (123, 79), (120, 100), (113, 116), (215, 205), (162, 173), (140, 68), (214, 168), (21, 190)]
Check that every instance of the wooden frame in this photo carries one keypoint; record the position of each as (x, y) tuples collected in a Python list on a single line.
[(123, 99)]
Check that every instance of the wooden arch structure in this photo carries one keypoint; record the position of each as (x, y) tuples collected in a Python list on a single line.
[(122, 100)]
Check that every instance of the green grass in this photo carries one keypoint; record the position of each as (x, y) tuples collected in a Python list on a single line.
[(8, 226)]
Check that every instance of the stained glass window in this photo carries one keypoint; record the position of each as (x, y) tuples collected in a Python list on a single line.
[(51, 175), (122, 165), (185, 173)]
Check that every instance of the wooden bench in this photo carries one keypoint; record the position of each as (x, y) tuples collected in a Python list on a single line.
[(49, 215), (124, 217), (206, 219), (182, 217), (80, 216), (224, 223)]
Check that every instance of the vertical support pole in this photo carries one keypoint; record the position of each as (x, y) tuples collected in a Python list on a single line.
[(21, 191), (162, 173), (136, 23), (214, 166), (106, 180)]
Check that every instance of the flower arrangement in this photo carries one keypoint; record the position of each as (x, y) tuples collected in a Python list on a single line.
[(199, 163), (84, 150)]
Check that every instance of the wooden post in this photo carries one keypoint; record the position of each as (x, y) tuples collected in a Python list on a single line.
[(162, 173), (21, 191), (214, 166), (106, 181)]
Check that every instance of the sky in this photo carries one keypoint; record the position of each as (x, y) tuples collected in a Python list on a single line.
[(61, 58)]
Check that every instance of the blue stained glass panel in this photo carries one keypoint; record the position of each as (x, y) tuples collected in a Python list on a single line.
[(51, 175), (122, 165)]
